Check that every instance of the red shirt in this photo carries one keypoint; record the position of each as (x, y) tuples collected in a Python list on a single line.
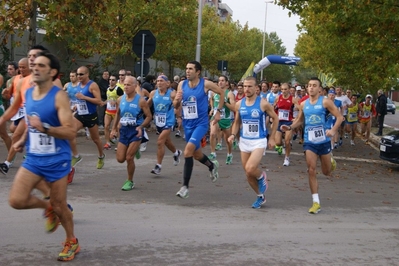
[(284, 108)]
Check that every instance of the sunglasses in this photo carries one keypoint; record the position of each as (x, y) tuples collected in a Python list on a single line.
[(81, 74), (112, 79)]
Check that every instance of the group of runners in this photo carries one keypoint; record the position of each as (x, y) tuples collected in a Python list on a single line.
[(249, 116)]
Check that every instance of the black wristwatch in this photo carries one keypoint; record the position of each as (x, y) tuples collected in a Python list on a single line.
[(46, 127)]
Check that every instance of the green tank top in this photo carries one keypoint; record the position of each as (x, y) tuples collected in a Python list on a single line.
[(226, 111)]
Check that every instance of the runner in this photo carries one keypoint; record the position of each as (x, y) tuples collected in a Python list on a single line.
[(192, 95), (367, 110), (250, 121), (162, 99), (49, 128), (317, 137), (129, 121), (352, 119)]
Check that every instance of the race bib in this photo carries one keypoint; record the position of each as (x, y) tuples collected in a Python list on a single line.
[(20, 114), (222, 113), (190, 110), (41, 143), (160, 120), (250, 129), (82, 108), (295, 114), (352, 117), (316, 134), (283, 115), (128, 121), (111, 105), (366, 114)]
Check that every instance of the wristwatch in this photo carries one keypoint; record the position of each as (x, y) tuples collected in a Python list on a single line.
[(219, 110), (46, 127)]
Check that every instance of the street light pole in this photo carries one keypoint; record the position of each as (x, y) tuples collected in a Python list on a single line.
[(264, 37), (198, 48)]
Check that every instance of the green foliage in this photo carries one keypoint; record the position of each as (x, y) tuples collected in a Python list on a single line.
[(354, 40)]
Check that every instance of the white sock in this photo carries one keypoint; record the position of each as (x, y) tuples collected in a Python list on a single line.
[(77, 156), (315, 198), (176, 153), (159, 165), (7, 163)]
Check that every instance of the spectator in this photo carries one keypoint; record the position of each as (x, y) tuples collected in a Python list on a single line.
[(148, 83), (103, 84), (381, 108)]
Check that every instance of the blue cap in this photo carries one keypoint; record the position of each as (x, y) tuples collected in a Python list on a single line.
[(331, 91)]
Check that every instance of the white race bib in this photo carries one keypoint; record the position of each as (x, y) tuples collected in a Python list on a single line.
[(250, 129), (41, 143), (316, 134), (111, 105), (20, 114), (82, 108), (283, 115), (160, 120), (190, 110), (128, 121)]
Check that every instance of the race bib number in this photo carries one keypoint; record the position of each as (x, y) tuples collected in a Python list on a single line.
[(295, 114), (128, 121), (20, 114), (160, 120), (352, 117), (316, 134), (283, 115), (366, 114), (250, 129), (40, 143), (190, 110), (82, 108), (222, 113), (111, 105)]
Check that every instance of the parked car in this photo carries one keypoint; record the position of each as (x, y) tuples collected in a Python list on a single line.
[(389, 147), (391, 108)]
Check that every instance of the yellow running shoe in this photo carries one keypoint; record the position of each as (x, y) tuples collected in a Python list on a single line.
[(100, 161), (315, 208), (71, 248), (333, 164)]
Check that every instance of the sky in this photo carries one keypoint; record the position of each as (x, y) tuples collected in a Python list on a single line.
[(277, 19)]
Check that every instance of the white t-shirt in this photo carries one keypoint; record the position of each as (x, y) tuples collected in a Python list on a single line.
[(345, 102)]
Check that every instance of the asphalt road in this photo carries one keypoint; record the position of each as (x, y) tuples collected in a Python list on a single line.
[(358, 224)]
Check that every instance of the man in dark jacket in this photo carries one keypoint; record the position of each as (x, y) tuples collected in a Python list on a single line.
[(103, 84), (381, 108)]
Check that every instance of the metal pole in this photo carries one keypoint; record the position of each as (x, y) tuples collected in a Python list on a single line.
[(264, 37), (198, 48), (142, 58)]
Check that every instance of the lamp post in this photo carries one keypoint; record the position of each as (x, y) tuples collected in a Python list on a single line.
[(198, 47), (264, 37)]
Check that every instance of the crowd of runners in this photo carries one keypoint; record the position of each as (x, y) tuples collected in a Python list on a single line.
[(46, 116)]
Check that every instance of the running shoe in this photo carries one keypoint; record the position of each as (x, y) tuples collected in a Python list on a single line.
[(286, 161), (107, 146), (71, 175), (262, 183), (260, 200), (279, 149), (212, 156), (100, 161), (229, 159), (52, 220), (235, 145), (333, 164), (129, 185), (156, 170), (346, 135), (183, 192), (113, 140), (340, 142), (4, 168), (143, 146), (294, 136), (70, 207), (76, 160), (214, 175), (367, 142), (176, 158), (138, 154), (218, 147), (315, 208), (177, 134), (203, 142), (352, 142), (71, 248), (335, 145)]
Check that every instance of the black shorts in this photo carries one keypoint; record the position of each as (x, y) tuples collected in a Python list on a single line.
[(89, 120)]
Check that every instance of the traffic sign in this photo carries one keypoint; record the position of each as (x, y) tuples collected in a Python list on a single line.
[(147, 39)]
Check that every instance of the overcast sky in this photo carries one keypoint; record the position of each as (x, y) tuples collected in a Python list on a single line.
[(277, 19)]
